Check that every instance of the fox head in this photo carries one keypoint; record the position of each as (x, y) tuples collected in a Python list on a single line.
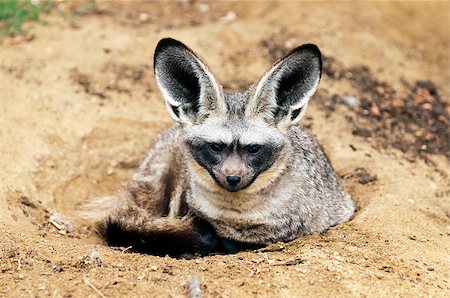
[(234, 140)]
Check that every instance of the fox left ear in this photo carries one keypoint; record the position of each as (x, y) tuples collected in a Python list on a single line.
[(282, 94), (190, 90)]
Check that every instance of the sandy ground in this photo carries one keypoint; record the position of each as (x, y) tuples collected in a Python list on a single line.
[(79, 108)]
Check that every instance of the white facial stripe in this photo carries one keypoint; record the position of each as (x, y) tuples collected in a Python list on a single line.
[(252, 138), (211, 131), (259, 134)]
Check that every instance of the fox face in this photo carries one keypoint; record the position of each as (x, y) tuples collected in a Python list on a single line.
[(236, 154), (235, 141)]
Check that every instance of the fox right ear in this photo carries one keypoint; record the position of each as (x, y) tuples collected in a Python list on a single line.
[(190, 90), (282, 94)]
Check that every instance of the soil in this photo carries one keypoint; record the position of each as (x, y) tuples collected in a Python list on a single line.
[(80, 108)]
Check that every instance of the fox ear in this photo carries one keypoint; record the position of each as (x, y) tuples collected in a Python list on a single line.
[(190, 90), (282, 94)]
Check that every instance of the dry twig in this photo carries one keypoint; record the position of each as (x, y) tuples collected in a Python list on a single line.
[(194, 287), (19, 264), (86, 281)]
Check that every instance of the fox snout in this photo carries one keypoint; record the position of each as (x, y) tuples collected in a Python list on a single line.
[(233, 180), (233, 174)]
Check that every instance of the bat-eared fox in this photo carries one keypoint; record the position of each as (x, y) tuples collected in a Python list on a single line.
[(236, 171)]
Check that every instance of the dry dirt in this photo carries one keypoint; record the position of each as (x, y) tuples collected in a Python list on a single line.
[(79, 108)]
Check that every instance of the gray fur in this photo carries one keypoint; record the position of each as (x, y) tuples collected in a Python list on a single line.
[(297, 193)]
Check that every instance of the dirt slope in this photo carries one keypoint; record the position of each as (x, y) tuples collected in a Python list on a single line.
[(79, 108)]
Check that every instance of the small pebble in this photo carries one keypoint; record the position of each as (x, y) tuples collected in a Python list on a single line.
[(229, 17), (60, 222), (94, 257), (204, 7), (350, 101), (143, 17)]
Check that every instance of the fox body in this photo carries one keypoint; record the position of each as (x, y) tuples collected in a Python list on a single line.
[(236, 170)]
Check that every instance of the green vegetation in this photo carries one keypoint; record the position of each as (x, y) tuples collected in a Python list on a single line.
[(14, 13)]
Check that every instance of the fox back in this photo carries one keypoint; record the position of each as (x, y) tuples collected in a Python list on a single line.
[(236, 168)]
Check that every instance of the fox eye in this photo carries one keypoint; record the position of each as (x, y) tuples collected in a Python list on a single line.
[(254, 149), (216, 147)]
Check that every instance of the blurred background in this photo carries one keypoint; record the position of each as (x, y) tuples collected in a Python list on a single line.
[(80, 108)]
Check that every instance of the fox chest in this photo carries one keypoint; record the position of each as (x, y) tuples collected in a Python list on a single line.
[(263, 231), (260, 225)]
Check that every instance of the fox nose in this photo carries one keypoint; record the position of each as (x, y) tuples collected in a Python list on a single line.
[(233, 180)]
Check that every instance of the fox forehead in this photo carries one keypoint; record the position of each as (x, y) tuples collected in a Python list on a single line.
[(211, 130), (227, 131), (258, 132), (233, 126)]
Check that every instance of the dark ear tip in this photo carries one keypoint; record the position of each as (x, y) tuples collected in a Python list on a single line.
[(168, 42), (165, 44), (309, 47), (312, 49)]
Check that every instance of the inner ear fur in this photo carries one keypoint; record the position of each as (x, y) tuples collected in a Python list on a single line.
[(282, 94), (188, 87)]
